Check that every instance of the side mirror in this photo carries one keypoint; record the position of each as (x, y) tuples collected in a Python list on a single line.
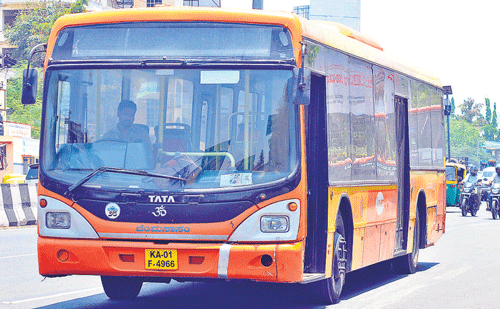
[(300, 92), (30, 83)]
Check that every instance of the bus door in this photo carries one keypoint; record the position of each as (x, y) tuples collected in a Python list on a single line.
[(317, 177), (403, 166)]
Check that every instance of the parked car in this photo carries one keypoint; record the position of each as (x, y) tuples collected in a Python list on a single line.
[(32, 175)]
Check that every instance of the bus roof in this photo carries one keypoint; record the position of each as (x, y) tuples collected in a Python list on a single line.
[(328, 33)]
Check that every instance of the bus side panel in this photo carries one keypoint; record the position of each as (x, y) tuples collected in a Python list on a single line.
[(438, 224), (374, 212), (432, 184)]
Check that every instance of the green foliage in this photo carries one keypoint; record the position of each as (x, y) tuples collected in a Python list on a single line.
[(466, 141), (27, 114), (470, 111), (33, 24), (490, 132), (488, 110), (494, 117)]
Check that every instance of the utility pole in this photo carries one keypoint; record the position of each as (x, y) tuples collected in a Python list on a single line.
[(447, 112), (5, 62), (258, 4)]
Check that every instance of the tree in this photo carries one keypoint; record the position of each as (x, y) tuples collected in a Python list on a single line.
[(490, 133), (470, 110), (33, 24), (466, 141), (452, 107), (27, 114), (494, 116), (488, 110)]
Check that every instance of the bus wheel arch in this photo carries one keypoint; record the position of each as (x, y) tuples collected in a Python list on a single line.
[(328, 290), (422, 213), (345, 211), (407, 264)]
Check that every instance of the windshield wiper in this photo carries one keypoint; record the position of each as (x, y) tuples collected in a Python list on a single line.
[(103, 169)]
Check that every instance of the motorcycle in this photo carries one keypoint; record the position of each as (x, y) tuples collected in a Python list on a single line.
[(470, 200), (495, 200)]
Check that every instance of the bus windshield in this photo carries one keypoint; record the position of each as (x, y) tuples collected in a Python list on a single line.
[(168, 129)]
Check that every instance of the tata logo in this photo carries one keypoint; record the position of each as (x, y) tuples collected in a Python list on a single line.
[(161, 199)]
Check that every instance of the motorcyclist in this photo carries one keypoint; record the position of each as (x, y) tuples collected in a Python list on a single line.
[(496, 179), (472, 176)]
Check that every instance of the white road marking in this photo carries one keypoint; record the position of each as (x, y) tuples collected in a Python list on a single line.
[(50, 296), (17, 256)]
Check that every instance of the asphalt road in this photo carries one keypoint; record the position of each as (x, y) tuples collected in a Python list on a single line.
[(461, 271)]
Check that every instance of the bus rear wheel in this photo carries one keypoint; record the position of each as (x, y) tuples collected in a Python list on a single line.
[(330, 289), (121, 287)]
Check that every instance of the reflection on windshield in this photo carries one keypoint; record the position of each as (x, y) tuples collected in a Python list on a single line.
[(211, 128)]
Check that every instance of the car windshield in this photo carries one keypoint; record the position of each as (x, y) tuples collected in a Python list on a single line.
[(32, 173), (487, 174), (169, 129)]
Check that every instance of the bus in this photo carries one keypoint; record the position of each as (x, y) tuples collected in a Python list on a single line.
[(213, 144)]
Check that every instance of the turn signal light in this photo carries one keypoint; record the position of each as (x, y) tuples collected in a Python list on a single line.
[(43, 203), (292, 206)]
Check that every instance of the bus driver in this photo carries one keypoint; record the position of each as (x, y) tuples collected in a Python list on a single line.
[(126, 130)]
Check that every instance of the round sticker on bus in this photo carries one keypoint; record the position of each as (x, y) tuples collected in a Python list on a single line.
[(112, 210)]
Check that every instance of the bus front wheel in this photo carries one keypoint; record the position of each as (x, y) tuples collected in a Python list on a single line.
[(331, 288), (121, 287)]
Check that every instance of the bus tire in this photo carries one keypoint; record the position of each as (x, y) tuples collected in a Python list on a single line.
[(121, 287), (407, 264), (329, 289)]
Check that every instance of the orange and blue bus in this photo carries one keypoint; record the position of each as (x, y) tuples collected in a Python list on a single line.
[(261, 146)]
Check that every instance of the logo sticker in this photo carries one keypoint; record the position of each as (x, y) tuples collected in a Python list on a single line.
[(380, 203), (112, 210), (160, 211)]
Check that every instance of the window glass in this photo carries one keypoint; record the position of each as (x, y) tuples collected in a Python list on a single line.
[(385, 124), (339, 117), (362, 120), (173, 40), (421, 98), (437, 121), (227, 133), (413, 126), (451, 173)]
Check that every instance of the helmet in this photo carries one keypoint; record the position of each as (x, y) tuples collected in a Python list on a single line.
[(473, 170)]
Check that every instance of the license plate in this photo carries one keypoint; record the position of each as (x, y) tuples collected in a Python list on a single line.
[(161, 259)]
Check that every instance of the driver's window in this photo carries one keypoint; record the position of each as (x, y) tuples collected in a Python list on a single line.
[(63, 115)]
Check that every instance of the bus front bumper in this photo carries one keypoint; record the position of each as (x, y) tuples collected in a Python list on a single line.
[(258, 262)]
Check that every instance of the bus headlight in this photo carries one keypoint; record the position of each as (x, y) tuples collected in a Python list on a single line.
[(274, 224), (58, 220)]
